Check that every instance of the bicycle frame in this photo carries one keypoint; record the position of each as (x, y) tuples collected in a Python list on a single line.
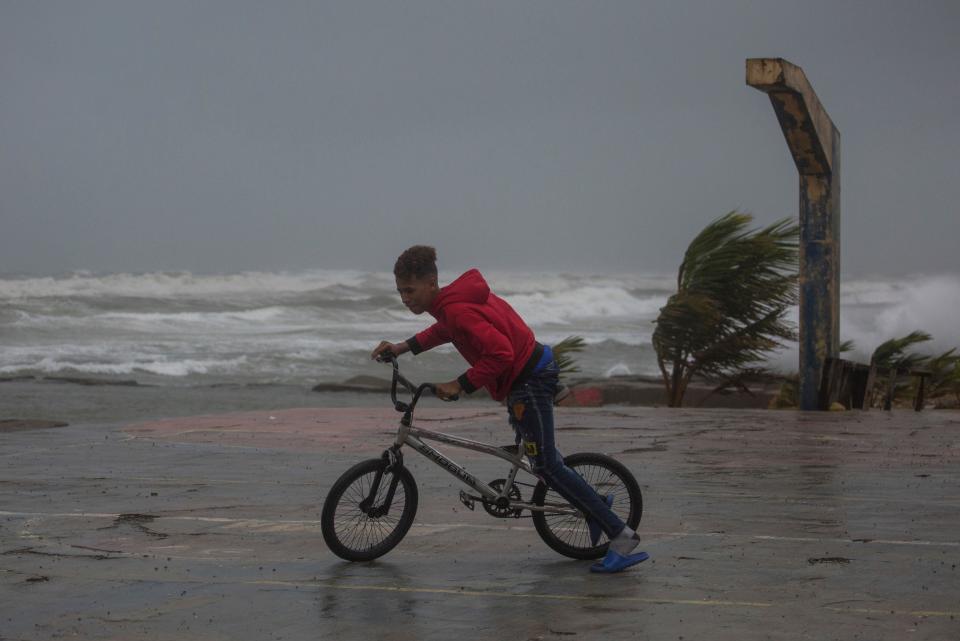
[(414, 437)]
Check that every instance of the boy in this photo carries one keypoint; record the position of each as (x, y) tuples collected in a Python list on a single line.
[(505, 358)]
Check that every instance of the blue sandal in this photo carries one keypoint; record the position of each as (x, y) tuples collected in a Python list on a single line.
[(615, 562)]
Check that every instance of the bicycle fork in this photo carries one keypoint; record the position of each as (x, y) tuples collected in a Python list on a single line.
[(392, 459)]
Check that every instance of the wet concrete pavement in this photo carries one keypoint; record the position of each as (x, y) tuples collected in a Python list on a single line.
[(760, 525)]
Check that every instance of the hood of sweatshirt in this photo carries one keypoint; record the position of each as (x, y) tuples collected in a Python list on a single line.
[(470, 287)]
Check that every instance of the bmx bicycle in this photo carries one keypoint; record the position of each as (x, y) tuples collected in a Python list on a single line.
[(371, 507)]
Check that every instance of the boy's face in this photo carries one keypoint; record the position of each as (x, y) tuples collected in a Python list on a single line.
[(417, 293)]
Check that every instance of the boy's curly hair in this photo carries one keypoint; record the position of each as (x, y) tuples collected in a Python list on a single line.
[(420, 261)]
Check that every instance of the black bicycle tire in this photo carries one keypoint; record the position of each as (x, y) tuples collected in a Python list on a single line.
[(635, 501), (328, 524)]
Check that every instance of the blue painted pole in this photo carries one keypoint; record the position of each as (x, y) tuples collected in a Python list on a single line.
[(814, 143)]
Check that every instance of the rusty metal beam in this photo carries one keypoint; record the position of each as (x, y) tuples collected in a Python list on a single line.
[(814, 143)]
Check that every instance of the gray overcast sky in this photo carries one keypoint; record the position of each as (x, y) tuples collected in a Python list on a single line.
[(600, 135)]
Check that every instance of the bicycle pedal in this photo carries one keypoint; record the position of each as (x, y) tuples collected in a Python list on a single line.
[(466, 500)]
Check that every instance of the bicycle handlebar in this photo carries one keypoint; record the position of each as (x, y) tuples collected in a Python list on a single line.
[(416, 390)]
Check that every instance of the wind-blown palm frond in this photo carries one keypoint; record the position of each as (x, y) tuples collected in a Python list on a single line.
[(943, 369), (944, 374), (893, 354), (733, 289), (563, 354)]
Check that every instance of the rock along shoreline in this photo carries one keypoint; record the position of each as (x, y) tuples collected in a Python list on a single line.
[(622, 390)]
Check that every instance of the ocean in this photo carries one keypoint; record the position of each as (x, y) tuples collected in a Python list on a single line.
[(291, 328), (183, 330)]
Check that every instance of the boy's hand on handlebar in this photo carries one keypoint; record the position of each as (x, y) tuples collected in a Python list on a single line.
[(385, 346), (449, 391)]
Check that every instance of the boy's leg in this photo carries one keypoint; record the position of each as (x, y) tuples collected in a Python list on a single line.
[(531, 413)]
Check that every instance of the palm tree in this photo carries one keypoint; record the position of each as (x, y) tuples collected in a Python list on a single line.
[(734, 287)]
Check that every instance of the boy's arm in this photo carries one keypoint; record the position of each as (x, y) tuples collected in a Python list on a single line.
[(428, 339), (496, 352)]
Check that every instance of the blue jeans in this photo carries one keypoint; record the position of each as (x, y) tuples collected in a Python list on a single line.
[(530, 407)]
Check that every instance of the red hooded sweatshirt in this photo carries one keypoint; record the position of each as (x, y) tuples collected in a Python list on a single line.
[(486, 331)]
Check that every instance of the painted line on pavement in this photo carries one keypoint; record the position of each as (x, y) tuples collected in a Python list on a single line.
[(425, 528), (911, 613)]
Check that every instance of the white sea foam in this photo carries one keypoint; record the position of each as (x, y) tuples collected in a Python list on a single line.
[(873, 311), (930, 304), (509, 284), (151, 320), (620, 369), (583, 303), (595, 336), (181, 284), (186, 367)]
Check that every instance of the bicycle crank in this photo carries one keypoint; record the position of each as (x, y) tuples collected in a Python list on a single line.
[(500, 507)]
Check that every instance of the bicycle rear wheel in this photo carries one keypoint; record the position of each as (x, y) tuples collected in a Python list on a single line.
[(568, 533), (360, 524)]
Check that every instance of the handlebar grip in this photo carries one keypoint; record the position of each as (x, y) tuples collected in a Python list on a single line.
[(386, 356)]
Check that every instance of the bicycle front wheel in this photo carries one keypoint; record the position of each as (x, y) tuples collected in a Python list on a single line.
[(360, 522), (568, 534)]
